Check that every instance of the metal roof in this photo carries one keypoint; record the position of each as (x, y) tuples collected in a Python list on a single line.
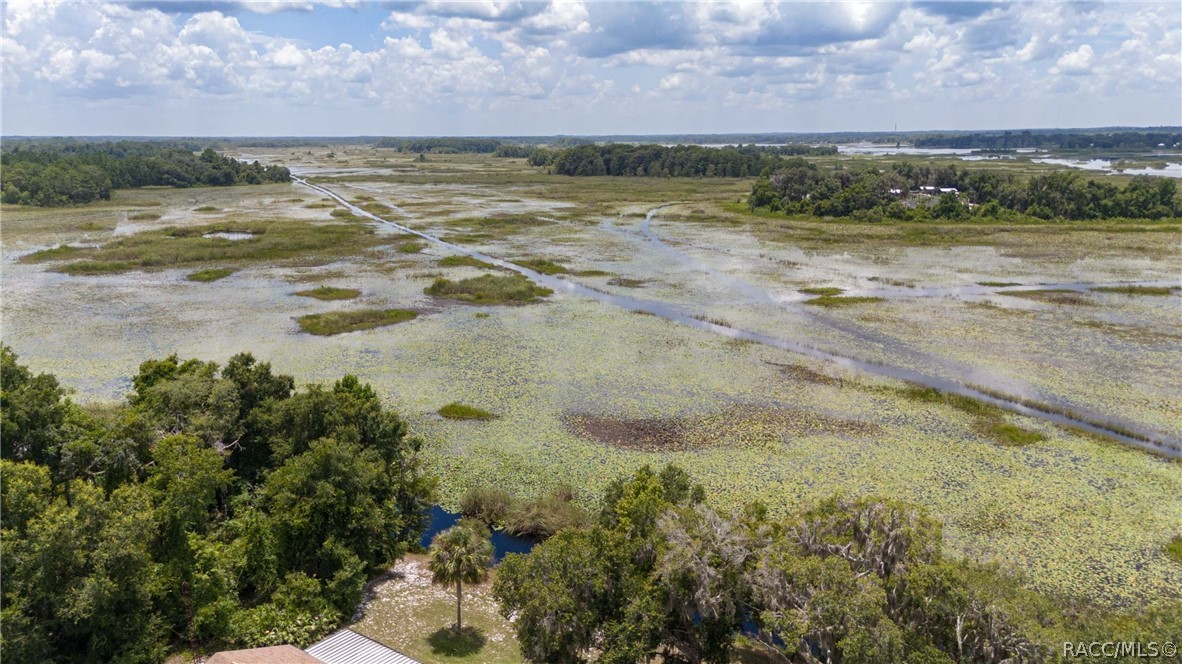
[(349, 647)]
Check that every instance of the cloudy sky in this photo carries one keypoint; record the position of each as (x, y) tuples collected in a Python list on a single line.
[(346, 67)]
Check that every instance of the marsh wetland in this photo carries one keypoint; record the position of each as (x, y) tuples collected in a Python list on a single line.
[(599, 324)]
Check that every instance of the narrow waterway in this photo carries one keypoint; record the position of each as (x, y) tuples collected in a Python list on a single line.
[(1124, 431)]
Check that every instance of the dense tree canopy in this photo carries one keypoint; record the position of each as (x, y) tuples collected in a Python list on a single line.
[(56, 174), (847, 580), (623, 159), (1059, 140), (220, 506), (443, 145), (914, 191)]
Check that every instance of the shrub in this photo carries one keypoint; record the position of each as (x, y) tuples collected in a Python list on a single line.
[(541, 518), (458, 411), (488, 289), (487, 504)]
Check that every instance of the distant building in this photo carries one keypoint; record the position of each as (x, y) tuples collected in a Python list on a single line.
[(948, 190)]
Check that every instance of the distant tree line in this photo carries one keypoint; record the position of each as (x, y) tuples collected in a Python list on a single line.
[(218, 506), (662, 576), (74, 173), (621, 159), (800, 187), (1132, 140), (513, 151), (444, 145)]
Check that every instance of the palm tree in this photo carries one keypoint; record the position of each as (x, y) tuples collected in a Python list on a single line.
[(461, 554)]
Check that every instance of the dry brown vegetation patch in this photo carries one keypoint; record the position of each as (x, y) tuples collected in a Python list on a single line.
[(734, 426)]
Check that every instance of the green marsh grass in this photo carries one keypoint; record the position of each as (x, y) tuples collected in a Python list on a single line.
[(144, 216), (1134, 290), (309, 243), (464, 261), (412, 247), (458, 411), (828, 291), (1174, 549), (338, 322), (841, 300), (330, 293), (207, 208), (542, 265), (1061, 296), (211, 274), (489, 289)]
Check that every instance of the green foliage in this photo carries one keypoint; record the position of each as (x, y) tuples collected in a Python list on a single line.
[(211, 274), (330, 293), (339, 322), (216, 493), (489, 289), (459, 411), (52, 175)]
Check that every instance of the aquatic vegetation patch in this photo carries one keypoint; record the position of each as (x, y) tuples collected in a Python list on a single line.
[(735, 426), (461, 260), (626, 282), (211, 274), (489, 289), (60, 252), (655, 433), (841, 300), (1174, 549), (592, 273), (1008, 434), (822, 290), (344, 215), (311, 243), (542, 265), (207, 208), (144, 216), (1060, 296), (330, 293), (801, 373), (713, 321), (998, 284), (412, 247), (458, 411), (1135, 290), (339, 322), (320, 205)]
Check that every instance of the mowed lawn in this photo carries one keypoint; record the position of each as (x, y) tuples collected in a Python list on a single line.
[(411, 615)]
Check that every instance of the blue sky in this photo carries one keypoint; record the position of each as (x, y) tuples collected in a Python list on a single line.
[(346, 67)]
